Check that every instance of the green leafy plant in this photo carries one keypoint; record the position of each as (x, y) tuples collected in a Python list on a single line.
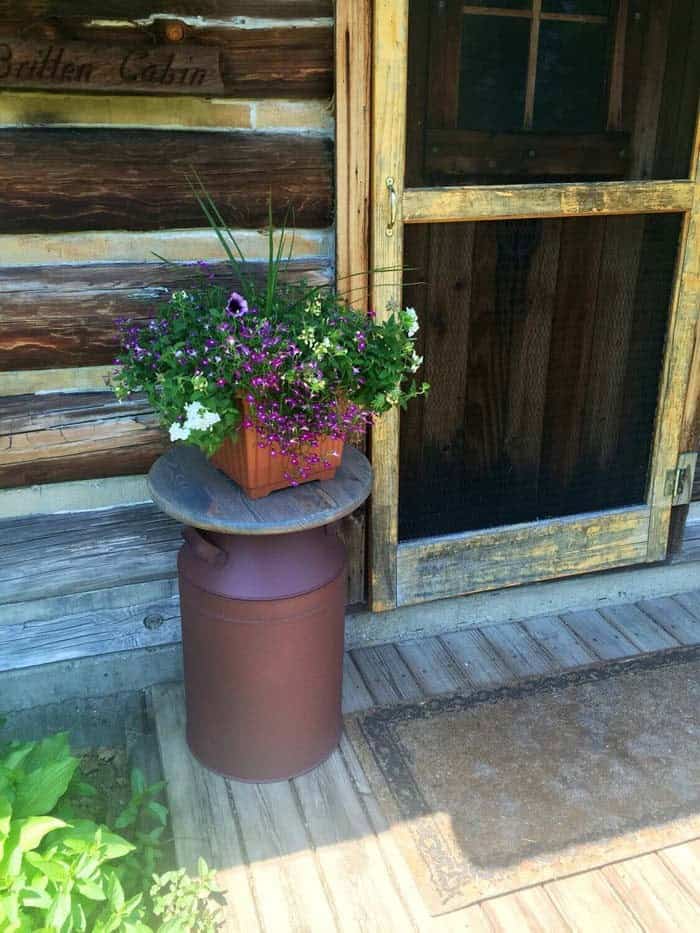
[(306, 363), (63, 873), (179, 899)]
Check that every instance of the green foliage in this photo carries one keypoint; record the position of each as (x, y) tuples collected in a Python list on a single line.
[(62, 873), (178, 898)]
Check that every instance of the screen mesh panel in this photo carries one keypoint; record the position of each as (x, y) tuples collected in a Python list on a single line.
[(543, 344), (493, 68)]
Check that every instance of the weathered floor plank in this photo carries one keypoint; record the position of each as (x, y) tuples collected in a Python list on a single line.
[(519, 650), (281, 861), (348, 851), (652, 893), (431, 665), (684, 863), (356, 696), (475, 656), (639, 628), (598, 635), (386, 674), (531, 911), (589, 903), (690, 602), (202, 819), (669, 613), (560, 642)]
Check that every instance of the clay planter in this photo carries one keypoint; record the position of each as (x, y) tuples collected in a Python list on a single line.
[(259, 473)]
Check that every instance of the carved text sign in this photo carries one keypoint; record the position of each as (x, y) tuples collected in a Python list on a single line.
[(82, 66)]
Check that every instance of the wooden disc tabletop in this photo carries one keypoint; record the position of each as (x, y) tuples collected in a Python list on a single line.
[(188, 488)]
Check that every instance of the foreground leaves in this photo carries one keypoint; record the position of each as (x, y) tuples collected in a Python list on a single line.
[(60, 874)]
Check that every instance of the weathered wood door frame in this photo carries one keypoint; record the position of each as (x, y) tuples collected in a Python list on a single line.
[(415, 571)]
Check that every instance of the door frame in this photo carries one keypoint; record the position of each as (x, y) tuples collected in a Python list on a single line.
[(432, 568)]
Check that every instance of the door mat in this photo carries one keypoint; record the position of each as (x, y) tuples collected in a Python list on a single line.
[(492, 791)]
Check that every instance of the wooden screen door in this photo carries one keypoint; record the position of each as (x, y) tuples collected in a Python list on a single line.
[(534, 162)]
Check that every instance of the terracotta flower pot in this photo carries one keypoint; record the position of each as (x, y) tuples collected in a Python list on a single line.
[(259, 471)]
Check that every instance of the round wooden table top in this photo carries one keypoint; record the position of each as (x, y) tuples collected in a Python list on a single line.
[(188, 488)]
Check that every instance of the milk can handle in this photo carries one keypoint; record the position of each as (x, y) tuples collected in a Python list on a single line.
[(204, 549)]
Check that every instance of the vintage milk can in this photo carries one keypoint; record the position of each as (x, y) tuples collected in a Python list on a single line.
[(262, 631)]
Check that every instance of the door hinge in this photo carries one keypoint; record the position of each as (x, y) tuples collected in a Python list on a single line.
[(679, 482)]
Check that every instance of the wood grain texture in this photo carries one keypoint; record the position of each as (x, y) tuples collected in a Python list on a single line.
[(465, 152), (83, 556), (568, 373), (281, 861), (674, 136), (276, 61), (23, 108), (188, 488), (79, 635), (202, 830), (353, 56), (390, 43), (656, 898), (437, 567), (587, 902), (133, 9), (578, 200), (64, 315), (677, 379), (650, 90), (61, 180), (58, 64), (52, 438), (599, 636), (342, 835)]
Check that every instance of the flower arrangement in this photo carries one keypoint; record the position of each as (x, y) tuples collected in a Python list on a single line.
[(293, 362)]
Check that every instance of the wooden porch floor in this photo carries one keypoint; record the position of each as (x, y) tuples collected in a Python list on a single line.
[(314, 854)]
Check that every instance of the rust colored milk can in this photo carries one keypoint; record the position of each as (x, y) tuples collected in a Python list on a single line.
[(262, 632)]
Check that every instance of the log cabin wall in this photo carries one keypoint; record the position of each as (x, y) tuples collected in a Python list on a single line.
[(91, 186)]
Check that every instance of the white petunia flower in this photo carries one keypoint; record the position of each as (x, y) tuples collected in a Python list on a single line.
[(179, 432), (416, 362), (199, 418), (413, 317)]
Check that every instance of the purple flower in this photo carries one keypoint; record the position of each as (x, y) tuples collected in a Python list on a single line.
[(236, 305)]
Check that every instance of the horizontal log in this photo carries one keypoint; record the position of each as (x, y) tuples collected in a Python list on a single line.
[(62, 180), (64, 315), (26, 108), (58, 437), (141, 246), (277, 61), (462, 152), (77, 495), (134, 9), (491, 202), (82, 557), (80, 635)]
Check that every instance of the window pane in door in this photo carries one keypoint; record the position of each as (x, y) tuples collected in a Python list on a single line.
[(572, 78), (493, 68), (502, 4), (543, 344), (609, 103), (579, 7)]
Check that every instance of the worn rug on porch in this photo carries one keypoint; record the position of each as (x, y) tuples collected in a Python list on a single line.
[(491, 791)]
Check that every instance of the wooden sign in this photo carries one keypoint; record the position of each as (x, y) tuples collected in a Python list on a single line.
[(51, 64)]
